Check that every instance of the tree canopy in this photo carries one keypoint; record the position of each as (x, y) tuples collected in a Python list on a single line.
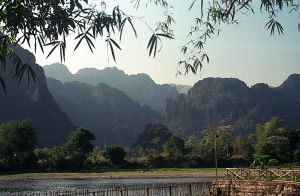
[(115, 154), (275, 142), (174, 147), (17, 142), (79, 141)]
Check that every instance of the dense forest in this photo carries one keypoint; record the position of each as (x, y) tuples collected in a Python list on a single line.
[(157, 147)]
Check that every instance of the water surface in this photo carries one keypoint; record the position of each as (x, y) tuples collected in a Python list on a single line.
[(18, 186)]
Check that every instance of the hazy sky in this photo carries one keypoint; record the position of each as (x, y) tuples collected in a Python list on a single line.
[(245, 51)]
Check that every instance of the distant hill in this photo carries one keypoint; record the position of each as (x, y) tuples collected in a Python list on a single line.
[(139, 87), (33, 102), (111, 115), (229, 101), (153, 137), (59, 72), (182, 88)]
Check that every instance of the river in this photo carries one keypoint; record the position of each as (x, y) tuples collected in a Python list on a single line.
[(8, 187)]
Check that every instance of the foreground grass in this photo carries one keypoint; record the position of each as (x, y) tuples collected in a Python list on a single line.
[(123, 173)]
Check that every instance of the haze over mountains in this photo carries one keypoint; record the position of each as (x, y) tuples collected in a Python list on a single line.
[(182, 88), (211, 101), (229, 101), (33, 102), (111, 115), (116, 118), (139, 87)]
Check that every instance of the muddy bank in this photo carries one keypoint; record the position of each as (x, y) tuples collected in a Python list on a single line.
[(119, 175)]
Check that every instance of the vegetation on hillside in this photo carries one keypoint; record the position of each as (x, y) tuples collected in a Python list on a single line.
[(104, 110), (229, 101)]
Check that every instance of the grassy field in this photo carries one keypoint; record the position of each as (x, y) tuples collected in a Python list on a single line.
[(122, 173)]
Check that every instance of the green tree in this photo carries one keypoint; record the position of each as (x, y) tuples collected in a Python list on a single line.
[(79, 142), (174, 147), (17, 141), (70, 155), (115, 154), (224, 137), (243, 149), (192, 142), (297, 155), (153, 137), (78, 147), (96, 160), (206, 150), (276, 142), (279, 148), (52, 159)]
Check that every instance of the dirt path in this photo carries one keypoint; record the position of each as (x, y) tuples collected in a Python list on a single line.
[(119, 175)]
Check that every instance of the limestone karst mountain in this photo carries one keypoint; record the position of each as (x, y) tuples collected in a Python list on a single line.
[(111, 115), (229, 101), (33, 101), (139, 87), (182, 88)]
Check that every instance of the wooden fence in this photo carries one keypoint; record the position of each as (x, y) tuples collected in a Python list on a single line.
[(261, 174), (182, 189)]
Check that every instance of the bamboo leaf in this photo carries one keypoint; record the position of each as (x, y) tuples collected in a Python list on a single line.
[(112, 50), (79, 43), (150, 41), (115, 43), (165, 35), (52, 43), (152, 45), (33, 76), (34, 44), (89, 42), (81, 34), (155, 47), (192, 5), (130, 22), (53, 49), (21, 73), (122, 27), (137, 3), (3, 85), (41, 45)]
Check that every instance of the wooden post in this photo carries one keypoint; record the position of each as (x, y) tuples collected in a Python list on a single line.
[(216, 161), (216, 157), (190, 190)]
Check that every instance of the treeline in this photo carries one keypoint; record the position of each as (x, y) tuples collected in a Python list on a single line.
[(271, 145)]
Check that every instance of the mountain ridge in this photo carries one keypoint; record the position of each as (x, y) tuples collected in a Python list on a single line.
[(229, 101), (33, 101), (140, 87), (105, 111)]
